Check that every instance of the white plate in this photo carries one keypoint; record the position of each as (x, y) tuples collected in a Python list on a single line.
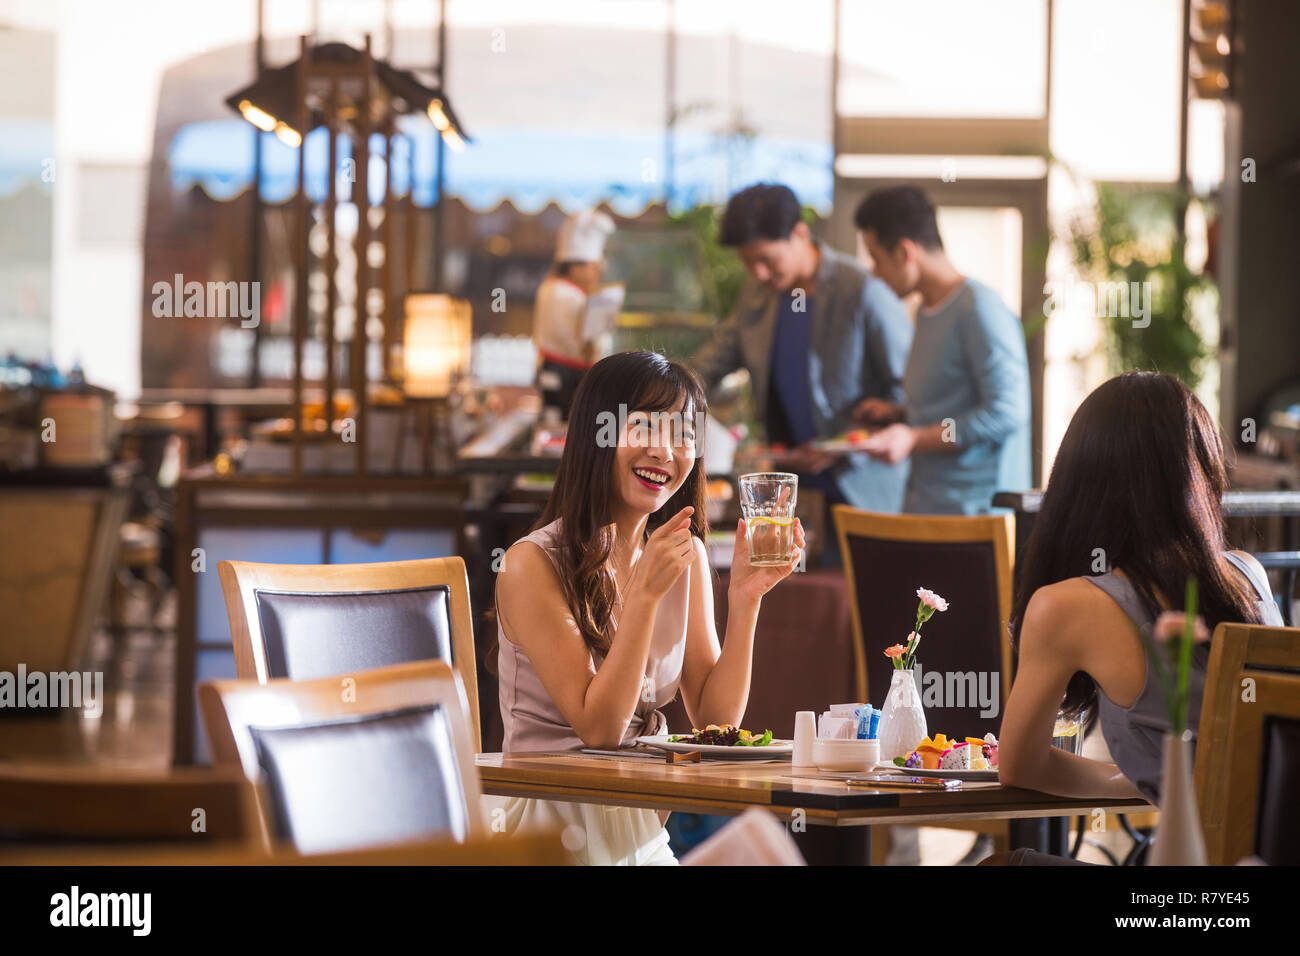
[(839, 446), (942, 774), (778, 749)]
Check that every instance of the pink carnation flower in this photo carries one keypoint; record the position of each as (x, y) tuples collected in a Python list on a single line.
[(930, 599), (1170, 624)]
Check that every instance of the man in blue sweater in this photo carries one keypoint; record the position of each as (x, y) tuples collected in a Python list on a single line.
[(964, 422)]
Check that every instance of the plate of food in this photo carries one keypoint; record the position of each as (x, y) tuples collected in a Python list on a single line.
[(724, 740), (850, 441), (974, 758)]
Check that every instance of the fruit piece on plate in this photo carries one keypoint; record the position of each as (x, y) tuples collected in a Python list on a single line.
[(932, 750), (958, 758)]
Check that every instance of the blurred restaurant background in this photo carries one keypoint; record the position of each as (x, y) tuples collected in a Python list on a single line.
[(371, 398)]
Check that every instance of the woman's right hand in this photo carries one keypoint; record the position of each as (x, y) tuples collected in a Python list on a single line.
[(666, 555)]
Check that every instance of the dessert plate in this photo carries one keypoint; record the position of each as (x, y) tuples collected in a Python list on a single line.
[(938, 774)]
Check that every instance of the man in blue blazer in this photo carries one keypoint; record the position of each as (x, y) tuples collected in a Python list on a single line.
[(818, 334)]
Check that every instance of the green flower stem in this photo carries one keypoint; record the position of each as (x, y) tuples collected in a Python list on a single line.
[(1185, 654), (1173, 662)]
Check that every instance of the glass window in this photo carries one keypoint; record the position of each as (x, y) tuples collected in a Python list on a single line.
[(985, 243), (943, 58), (1116, 67)]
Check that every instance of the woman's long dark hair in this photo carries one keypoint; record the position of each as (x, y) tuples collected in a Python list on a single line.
[(1140, 476), (582, 496)]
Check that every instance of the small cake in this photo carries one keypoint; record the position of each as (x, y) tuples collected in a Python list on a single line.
[(991, 750), (978, 761)]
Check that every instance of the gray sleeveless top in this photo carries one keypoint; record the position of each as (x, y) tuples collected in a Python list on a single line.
[(530, 717), (1135, 735)]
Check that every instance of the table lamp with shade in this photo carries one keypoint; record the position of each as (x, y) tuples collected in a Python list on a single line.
[(435, 356)]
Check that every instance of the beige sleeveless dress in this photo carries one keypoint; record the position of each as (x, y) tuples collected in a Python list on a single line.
[(595, 835)]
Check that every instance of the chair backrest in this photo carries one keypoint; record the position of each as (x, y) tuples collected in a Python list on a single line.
[(50, 804), (1245, 773), (380, 757), (304, 621), (966, 650)]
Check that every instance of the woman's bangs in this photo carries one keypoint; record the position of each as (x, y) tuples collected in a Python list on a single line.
[(661, 394)]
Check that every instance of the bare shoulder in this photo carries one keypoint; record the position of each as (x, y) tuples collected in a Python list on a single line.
[(1072, 594), (526, 571), (1062, 614)]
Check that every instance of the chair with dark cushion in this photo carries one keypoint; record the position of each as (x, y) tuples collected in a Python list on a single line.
[(966, 560), (1248, 739), (1277, 832), (380, 757), (308, 621)]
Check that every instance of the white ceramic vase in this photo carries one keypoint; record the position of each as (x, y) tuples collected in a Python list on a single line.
[(1179, 840), (902, 719)]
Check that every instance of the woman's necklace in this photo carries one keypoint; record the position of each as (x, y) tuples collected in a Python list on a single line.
[(620, 578)]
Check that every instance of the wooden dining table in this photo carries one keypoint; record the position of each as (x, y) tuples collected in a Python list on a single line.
[(801, 798)]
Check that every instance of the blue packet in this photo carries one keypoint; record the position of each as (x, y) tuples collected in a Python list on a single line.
[(864, 722)]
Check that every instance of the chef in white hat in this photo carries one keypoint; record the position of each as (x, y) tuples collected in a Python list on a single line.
[(567, 335)]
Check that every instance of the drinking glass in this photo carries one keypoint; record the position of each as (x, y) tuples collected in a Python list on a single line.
[(767, 501), (1067, 735)]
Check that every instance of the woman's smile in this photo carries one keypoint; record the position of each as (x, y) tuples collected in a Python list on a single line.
[(656, 479)]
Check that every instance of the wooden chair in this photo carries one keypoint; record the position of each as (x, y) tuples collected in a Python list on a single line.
[(318, 620), (380, 756), (1239, 741), (51, 804), (967, 560)]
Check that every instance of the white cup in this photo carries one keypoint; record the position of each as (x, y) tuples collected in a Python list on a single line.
[(805, 731)]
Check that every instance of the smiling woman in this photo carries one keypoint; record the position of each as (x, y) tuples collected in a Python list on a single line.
[(605, 610), (597, 477)]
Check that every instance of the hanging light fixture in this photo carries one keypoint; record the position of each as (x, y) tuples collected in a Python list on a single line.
[(270, 101), (258, 117)]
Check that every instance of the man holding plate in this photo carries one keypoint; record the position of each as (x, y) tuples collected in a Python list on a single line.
[(818, 334)]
